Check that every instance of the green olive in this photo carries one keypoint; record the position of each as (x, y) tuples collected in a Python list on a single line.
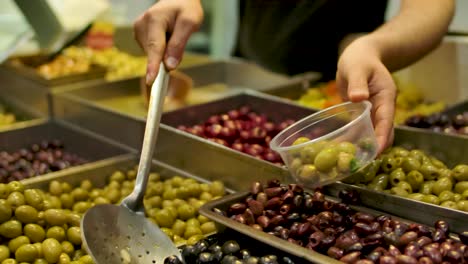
[(113, 185), (326, 159), (4, 191), (430, 198), (67, 248), (73, 219), (415, 179), (154, 202), (442, 184), (15, 199), (66, 187), (86, 259), (217, 188), (429, 171), (192, 231), (131, 175), (35, 232), (170, 194), (164, 218), (194, 188), (101, 200), (74, 235), (399, 191), (39, 249), (186, 212), (86, 185), (34, 198), (205, 187), (55, 188), (410, 164), (118, 176), (388, 164), (397, 176), (78, 254), (56, 232), (446, 196), (81, 207), (460, 187), (5, 211), (308, 174), (405, 186), (381, 181), (4, 252), (460, 172), (64, 259), (26, 214), (465, 195), (426, 187), (193, 222), (194, 239), (79, 194), (51, 249), (416, 196), (462, 205), (308, 153), (399, 152), (344, 162), (447, 174), (449, 204), (206, 196), (375, 187), (202, 219), (417, 154), (167, 231), (55, 217), (9, 261), (26, 253), (208, 227), (17, 242), (179, 227), (295, 164), (15, 186), (178, 240), (439, 164), (300, 140), (346, 147), (11, 229), (457, 197)]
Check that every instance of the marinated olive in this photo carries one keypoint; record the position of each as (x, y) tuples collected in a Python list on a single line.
[(460, 172), (429, 198), (460, 187), (445, 196), (442, 184), (415, 179)]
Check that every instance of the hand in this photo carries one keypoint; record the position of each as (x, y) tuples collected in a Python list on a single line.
[(362, 76), (180, 18)]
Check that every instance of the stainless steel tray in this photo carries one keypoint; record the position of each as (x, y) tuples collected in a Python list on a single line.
[(312, 256), (180, 149), (78, 141), (24, 115), (451, 150)]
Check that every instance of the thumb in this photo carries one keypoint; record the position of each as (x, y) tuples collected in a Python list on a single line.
[(358, 88)]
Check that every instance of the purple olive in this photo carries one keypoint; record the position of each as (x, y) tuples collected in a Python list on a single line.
[(256, 188), (454, 256), (256, 207), (316, 238), (287, 196), (351, 257), (273, 183), (273, 203), (277, 220), (408, 237), (335, 252), (402, 259), (387, 260), (442, 226), (285, 209), (273, 191), (236, 208), (425, 260), (263, 221)]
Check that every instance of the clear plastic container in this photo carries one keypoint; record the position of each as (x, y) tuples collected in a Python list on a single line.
[(329, 145)]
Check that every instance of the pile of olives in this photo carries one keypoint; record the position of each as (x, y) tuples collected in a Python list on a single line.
[(217, 249), (323, 161), (441, 123), (335, 229), (6, 117), (416, 175), (35, 228), (37, 159)]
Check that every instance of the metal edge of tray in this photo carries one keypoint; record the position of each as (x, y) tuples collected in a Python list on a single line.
[(23, 70), (425, 213), (87, 145), (457, 108)]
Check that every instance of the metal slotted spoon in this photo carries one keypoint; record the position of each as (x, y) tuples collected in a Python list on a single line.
[(121, 233)]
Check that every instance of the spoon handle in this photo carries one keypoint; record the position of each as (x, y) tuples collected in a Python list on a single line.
[(159, 88)]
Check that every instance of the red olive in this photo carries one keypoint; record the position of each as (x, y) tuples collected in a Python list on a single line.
[(237, 208), (273, 191), (256, 207), (351, 257), (335, 252), (402, 259), (263, 221), (425, 260), (273, 203), (387, 260)]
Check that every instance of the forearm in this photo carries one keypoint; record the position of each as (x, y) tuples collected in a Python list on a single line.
[(415, 31)]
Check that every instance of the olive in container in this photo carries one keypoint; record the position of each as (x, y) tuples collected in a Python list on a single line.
[(329, 145)]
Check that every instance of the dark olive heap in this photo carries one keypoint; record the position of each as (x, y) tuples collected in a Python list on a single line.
[(215, 249), (442, 123), (336, 230), (37, 159), (243, 130)]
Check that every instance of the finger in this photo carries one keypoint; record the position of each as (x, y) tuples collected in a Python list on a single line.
[(383, 119), (139, 31), (154, 46), (342, 85), (184, 27), (358, 89)]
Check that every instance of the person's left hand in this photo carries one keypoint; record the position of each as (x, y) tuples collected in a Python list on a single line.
[(361, 75)]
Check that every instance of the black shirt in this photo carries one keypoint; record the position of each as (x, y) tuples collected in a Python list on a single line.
[(296, 36)]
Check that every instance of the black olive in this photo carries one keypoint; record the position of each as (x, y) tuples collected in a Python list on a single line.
[(270, 259), (252, 260), (244, 254), (206, 258), (230, 247), (172, 260), (230, 259), (189, 254), (215, 248), (287, 260), (201, 246)]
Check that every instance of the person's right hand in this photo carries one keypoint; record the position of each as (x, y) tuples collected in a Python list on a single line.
[(179, 18)]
